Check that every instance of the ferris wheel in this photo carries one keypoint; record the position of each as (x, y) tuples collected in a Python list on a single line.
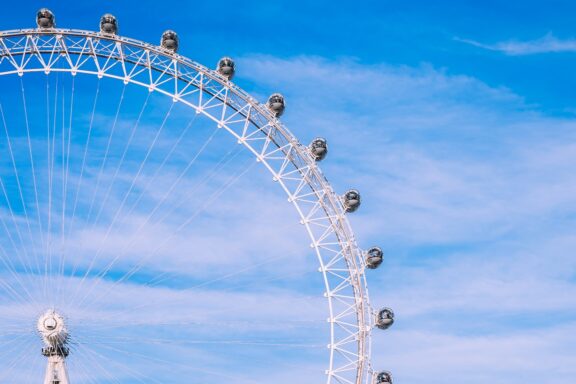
[(100, 178)]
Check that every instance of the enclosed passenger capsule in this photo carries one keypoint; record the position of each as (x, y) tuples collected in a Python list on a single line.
[(108, 24), (351, 200), (385, 318), (319, 148), (383, 377), (169, 41), (226, 67), (276, 104), (374, 257), (45, 19)]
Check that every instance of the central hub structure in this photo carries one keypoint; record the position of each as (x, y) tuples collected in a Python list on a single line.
[(54, 334)]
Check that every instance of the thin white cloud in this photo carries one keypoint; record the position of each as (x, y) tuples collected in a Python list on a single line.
[(546, 44), (470, 193), (441, 161), (442, 357)]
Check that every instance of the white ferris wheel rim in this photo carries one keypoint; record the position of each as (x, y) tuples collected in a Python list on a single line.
[(292, 166)]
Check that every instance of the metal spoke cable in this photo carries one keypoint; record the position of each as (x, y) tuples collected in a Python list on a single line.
[(135, 374), (135, 178), (79, 365), (214, 197), (122, 158), (139, 266), (86, 145), (51, 143), (192, 190), (126, 195), (164, 72), (165, 276), (46, 244), (24, 259), (27, 125), (14, 343), (227, 276), (66, 175), (152, 179), (276, 278), (189, 289), (127, 323), (231, 155), (6, 260), (11, 290), (18, 357), (17, 251), (305, 299), (305, 324), (78, 186), (166, 195), (93, 362), (107, 150), (263, 343), (20, 192), (8, 232), (18, 297), (65, 161), (173, 364), (8, 331), (169, 191), (15, 337), (116, 172)]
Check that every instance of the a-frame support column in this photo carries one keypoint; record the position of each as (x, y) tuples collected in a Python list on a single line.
[(56, 372)]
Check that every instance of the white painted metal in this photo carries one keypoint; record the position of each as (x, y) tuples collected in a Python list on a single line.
[(54, 334), (56, 372), (290, 163)]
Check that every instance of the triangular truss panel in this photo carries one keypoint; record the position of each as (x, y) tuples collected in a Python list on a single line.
[(252, 125)]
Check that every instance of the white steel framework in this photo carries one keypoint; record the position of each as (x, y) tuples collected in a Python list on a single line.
[(254, 126)]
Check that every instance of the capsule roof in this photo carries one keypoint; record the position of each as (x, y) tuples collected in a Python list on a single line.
[(45, 18), (351, 200), (319, 148), (385, 318), (374, 257), (383, 377), (276, 104), (226, 67), (108, 24), (169, 40)]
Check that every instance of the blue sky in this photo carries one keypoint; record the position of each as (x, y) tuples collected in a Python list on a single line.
[(454, 120)]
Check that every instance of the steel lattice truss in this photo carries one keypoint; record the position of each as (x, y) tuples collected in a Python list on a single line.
[(253, 125)]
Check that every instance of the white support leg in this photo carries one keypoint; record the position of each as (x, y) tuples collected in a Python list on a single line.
[(56, 370), (55, 337)]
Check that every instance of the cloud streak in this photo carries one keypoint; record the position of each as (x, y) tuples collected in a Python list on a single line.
[(467, 189), (469, 192), (546, 44)]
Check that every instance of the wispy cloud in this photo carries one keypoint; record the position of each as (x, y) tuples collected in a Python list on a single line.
[(469, 191), (546, 44)]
